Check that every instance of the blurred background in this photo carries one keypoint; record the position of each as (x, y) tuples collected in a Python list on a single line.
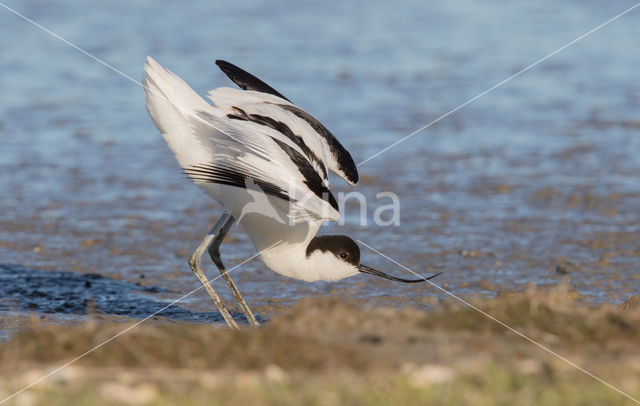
[(533, 183)]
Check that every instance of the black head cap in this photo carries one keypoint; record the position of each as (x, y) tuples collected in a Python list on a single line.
[(343, 247)]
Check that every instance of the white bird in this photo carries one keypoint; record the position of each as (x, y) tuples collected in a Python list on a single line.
[(266, 161)]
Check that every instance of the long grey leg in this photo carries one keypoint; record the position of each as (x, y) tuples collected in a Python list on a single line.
[(214, 252), (195, 263)]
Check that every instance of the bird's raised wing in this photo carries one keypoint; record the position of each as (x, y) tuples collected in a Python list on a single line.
[(226, 145), (310, 132)]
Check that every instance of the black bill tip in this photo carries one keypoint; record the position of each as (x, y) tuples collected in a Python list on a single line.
[(373, 271)]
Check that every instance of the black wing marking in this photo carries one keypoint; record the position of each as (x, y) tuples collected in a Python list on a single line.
[(281, 128), (245, 80), (345, 162), (311, 178), (233, 177)]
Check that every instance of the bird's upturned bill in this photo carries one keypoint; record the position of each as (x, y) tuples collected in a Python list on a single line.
[(373, 271)]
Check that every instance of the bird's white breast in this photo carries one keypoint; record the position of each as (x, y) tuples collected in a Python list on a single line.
[(282, 245)]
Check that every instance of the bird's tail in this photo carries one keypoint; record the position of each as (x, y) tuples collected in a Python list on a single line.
[(172, 105)]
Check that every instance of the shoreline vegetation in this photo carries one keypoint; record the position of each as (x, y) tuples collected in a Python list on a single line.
[(332, 351)]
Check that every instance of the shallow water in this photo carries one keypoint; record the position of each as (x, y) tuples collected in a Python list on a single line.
[(534, 182)]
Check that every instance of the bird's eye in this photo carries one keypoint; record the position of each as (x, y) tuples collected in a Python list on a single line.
[(344, 255)]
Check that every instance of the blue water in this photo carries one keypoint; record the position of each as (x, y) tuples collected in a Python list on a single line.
[(542, 168)]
